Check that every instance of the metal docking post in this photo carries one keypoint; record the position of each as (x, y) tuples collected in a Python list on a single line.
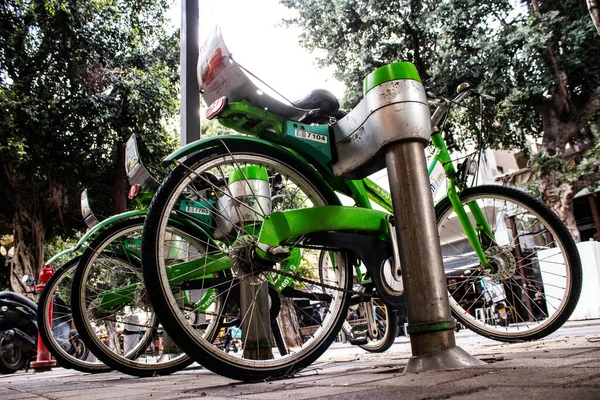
[(393, 120), (430, 324)]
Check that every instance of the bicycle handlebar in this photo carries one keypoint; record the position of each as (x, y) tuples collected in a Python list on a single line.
[(443, 104)]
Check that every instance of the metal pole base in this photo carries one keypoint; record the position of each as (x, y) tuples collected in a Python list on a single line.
[(452, 358)]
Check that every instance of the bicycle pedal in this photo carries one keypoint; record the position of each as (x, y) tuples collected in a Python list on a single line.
[(360, 329), (358, 342)]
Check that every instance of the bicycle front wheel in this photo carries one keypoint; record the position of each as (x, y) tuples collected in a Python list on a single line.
[(57, 332), (534, 281), (228, 190), (111, 307)]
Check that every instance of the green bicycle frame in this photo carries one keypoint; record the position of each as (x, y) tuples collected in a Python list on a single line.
[(381, 197), (283, 226), (125, 294), (278, 132), (103, 224)]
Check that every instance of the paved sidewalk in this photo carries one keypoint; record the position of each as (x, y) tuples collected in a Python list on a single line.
[(558, 368)]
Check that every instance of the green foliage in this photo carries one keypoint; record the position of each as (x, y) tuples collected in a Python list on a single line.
[(586, 167), (533, 188), (499, 46), (60, 243), (211, 128), (548, 164), (76, 78), (306, 269)]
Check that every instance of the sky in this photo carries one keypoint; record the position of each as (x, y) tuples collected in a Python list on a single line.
[(253, 32)]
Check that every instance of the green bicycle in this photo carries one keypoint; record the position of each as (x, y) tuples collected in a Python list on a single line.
[(279, 235), (111, 307)]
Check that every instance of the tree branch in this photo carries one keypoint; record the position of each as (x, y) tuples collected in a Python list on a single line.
[(560, 76)]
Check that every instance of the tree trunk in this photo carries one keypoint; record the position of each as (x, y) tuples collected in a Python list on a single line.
[(557, 193), (560, 199), (557, 133), (29, 234), (113, 341)]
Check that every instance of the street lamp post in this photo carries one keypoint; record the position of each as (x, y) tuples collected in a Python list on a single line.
[(190, 92)]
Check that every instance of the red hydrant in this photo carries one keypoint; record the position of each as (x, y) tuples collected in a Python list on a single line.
[(44, 361)]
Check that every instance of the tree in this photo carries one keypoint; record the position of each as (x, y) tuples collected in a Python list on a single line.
[(77, 78), (540, 59)]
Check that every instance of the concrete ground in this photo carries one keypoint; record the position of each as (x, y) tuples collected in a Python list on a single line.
[(564, 366)]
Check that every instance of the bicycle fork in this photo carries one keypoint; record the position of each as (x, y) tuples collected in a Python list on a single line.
[(443, 157), (471, 232)]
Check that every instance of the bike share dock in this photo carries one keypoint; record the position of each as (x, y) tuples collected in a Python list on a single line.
[(558, 368)]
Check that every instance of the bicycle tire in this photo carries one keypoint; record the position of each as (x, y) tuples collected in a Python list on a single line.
[(59, 283), (236, 154), (386, 339), (102, 259), (527, 233)]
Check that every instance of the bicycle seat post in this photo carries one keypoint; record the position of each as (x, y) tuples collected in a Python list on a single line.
[(390, 128)]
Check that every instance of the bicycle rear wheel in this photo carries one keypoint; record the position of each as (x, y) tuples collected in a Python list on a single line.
[(536, 278), (60, 339), (112, 310), (228, 190)]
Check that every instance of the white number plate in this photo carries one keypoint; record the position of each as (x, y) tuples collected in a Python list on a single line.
[(315, 137), (197, 210)]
